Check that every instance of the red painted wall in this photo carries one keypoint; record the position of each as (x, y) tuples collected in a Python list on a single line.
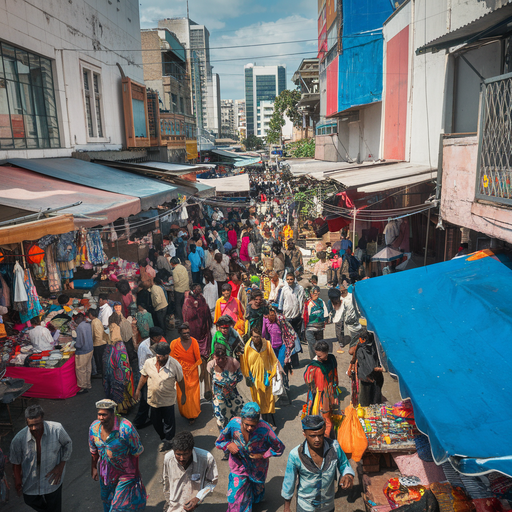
[(332, 88), (397, 64)]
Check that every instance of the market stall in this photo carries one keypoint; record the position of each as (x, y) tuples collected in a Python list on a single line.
[(447, 327)]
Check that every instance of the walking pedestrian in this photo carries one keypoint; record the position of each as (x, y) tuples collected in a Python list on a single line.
[(196, 263), (38, 455), (321, 376), (259, 366), (145, 351), (185, 350), (99, 340), (115, 448), (228, 337), (161, 373), (181, 283), (315, 317), (312, 467), (250, 443), (228, 305), (189, 474), (256, 310), (159, 301), (83, 355)]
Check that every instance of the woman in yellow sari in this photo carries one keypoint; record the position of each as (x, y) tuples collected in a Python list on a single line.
[(185, 350), (259, 365)]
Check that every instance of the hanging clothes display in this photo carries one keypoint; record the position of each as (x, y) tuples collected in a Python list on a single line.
[(66, 254), (20, 294), (33, 304), (52, 270), (95, 253), (5, 293), (392, 230)]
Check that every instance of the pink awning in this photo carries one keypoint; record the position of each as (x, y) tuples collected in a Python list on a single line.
[(23, 192)]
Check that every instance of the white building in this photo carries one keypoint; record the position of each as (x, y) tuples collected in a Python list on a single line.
[(63, 66), (240, 117), (262, 85), (214, 117)]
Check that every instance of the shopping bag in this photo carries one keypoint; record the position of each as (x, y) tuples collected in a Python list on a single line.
[(351, 435), (316, 405), (277, 384)]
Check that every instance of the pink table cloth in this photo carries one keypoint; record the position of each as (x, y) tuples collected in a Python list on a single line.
[(51, 383)]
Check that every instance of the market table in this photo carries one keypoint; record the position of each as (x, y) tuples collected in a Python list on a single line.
[(51, 383)]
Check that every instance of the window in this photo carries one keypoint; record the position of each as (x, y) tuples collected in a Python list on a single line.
[(93, 103), (28, 112)]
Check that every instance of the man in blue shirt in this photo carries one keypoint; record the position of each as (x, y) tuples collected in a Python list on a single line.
[(314, 464), (195, 263)]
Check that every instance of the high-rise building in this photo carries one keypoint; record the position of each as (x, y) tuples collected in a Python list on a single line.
[(262, 85), (205, 85), (240, 118), (228, 117)]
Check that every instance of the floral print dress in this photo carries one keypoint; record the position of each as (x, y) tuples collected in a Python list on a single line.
[(227, 402)]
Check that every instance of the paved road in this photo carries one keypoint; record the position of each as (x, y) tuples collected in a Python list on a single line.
[(81, 493)]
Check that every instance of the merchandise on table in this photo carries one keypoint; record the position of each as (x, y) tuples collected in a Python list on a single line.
[(386, 427)]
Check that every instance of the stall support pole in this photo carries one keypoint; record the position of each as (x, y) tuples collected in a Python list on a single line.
[(354, 231), (426, 241)]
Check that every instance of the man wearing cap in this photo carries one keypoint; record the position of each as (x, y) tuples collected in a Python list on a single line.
[(146, 351), (161, 373), (115, 448), (314, 464)]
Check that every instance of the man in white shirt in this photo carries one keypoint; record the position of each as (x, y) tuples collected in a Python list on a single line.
[(291, 302), (210, 291), (189, 474), (145, 352), (105, 309), (40, 337)]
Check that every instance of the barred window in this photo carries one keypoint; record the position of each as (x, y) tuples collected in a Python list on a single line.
[(93, 103), (28, 112)]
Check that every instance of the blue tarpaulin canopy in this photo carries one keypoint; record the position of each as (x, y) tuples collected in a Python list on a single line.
[(152, 193), (446, 332)]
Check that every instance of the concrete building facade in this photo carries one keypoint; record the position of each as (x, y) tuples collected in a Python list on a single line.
[(64, 62)]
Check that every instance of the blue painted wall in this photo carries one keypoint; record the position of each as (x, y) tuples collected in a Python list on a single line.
[(360, 63)]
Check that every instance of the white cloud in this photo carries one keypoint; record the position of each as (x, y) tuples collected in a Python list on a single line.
[(277, 33)]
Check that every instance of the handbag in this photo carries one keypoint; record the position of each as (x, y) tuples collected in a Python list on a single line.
[(277, 384)]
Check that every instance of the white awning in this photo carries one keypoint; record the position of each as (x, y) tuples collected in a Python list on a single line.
[(383, 176), (315, 168), (238, 183)]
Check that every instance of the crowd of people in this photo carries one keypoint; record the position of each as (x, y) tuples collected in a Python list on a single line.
[(243, 311)]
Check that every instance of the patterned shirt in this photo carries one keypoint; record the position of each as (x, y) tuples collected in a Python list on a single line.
[(56, 446), (118, 455), (315, 490)]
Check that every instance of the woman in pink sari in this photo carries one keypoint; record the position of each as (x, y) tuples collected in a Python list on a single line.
[(244, 249), (230, 306)]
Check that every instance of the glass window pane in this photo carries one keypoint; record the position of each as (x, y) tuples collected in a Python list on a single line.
[(8, 53), (49, 101), (42, 127), (4, 105), (5, 120), (53, 127), (44, 143), (30, 126), (32, 144), (88, 114), (86, 79), (6, 143), (23, 66), (55, 143), (39, 108), (26, 99), (98, 117), (1, 63), (13, 94), (96, 83), (20, 144), (35, 70), (46, 73)]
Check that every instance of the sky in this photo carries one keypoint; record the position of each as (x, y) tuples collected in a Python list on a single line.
[(232, 23)]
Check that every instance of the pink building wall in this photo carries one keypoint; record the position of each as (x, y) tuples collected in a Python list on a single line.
[(458, 204)]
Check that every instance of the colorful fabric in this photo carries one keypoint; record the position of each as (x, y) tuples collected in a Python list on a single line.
[(234, 343), (322, 379), (118, 466), (33, 305), (196, 313), (144, 323), (94, 245), (118, 376), (251, 411), (190, 360), (243, 493), (263, 440), (260, 368), (227, 402), (315, 313), (233, 309)]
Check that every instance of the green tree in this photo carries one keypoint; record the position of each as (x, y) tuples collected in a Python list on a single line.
[(253, 142), (285, 104)]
